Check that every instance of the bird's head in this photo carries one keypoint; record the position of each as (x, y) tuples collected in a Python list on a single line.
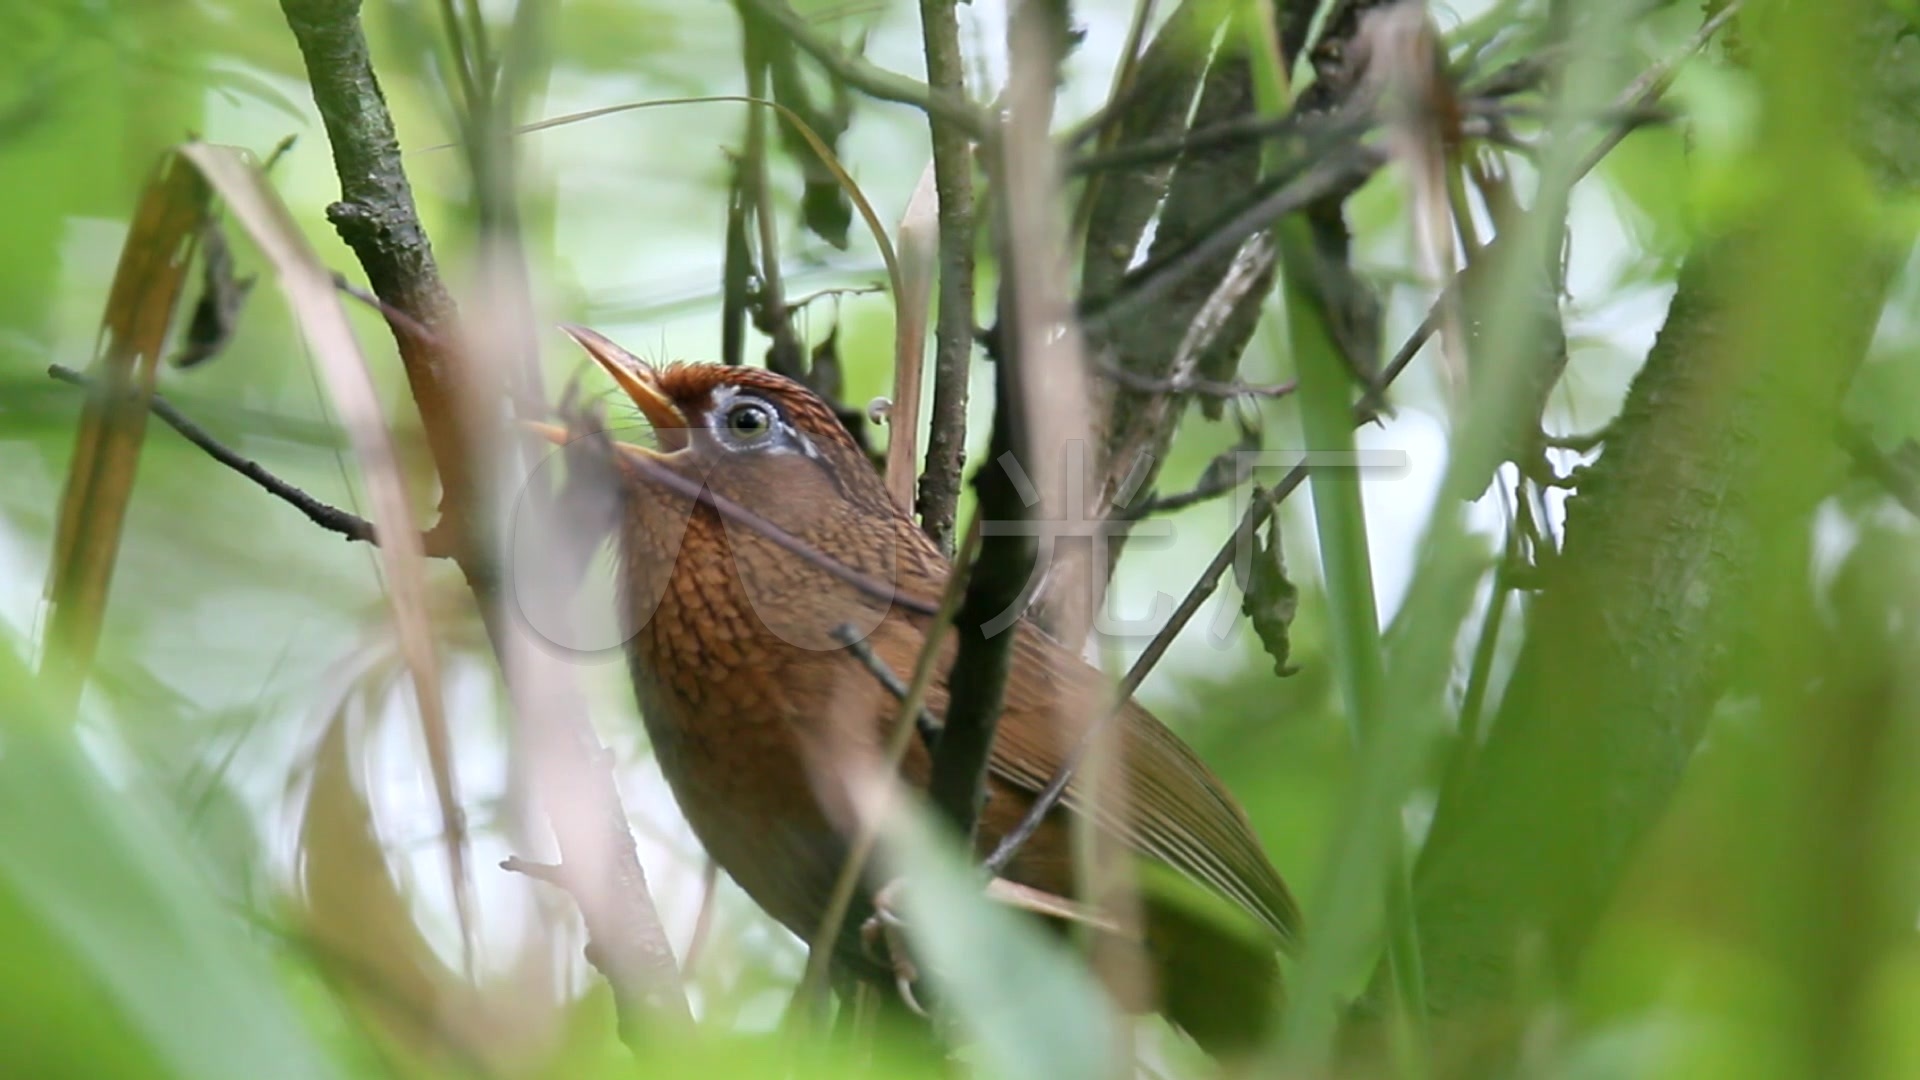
[(730, 440), (760, 439)]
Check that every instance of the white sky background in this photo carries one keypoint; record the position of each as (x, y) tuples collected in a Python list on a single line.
[(664, 161)]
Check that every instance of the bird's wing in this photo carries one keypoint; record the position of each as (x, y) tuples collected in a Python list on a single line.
[(1177, 810)]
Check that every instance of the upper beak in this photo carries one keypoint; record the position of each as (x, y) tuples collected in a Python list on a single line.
[(638, 379)]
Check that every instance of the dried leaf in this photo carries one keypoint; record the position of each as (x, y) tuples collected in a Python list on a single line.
[(309, 289), (1269, 599), (824, 207), (217, 313), (106, 454), (360, 924)]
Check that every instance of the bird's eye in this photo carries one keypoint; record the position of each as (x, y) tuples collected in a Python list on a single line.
[(749, 421)]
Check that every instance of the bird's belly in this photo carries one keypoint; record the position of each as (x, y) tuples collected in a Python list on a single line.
[(740, 783)]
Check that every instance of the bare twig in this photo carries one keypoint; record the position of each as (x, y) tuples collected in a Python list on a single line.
[(1273, 201), (834, 920), (769, 302), (377, 219), (1897, 472), (694, 491), (996, 583), (375, 216), (331, 518), (868, 78), (923, 720), (1188, 383), (1325, 131), (1259, 510), (599, 951), (1645, 90), (702, 919), (1041, 344), (398, 319), (939, 495), (1222, 475)]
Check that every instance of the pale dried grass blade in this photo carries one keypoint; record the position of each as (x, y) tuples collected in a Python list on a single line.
[(310, 292), (919, 254), (1400, 50)]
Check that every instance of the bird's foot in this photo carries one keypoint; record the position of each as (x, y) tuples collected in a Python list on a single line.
[(884, 937)]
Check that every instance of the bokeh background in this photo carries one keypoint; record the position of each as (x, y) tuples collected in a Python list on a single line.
[(248, 707)]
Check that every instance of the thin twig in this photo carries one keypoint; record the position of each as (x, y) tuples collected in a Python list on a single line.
[(1222, 475), (869, 78), (840, 901), (397, 318), (695, 491), (1467, 733), (1189, 384), (607, 961), (996, 584), (1897, 472), (1154, 151), (1653, 82), (940, 479), (1153, 279), (702, 919), (329, 517), (377, 218), (923, 720), (772, 317), (1259, 510), (1027, 308)]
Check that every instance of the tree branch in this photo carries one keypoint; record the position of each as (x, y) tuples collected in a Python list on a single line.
[(939, 495), (1689, 532), (1032, 306), (377, 219), (329, 517)]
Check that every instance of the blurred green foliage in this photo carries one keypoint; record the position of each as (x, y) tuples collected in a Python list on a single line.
[(153, 911)]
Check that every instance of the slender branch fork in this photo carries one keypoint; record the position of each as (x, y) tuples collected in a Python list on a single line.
[(331, 518), (377, 218)]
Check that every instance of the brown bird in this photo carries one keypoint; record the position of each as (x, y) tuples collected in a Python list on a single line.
[(750, 700)]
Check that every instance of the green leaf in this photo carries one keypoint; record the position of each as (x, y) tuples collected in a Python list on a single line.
[(1029, 1006), (98, 877)]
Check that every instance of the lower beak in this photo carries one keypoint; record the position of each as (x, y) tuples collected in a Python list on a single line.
[(637, 378)]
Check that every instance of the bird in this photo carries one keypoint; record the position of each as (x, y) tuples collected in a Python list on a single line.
[(736, 643)]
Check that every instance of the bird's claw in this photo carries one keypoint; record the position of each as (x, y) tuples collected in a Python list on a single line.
[(885, 930)]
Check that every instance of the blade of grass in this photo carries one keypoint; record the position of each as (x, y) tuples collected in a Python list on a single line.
[(309, 289), (99, 873), (1029, 1005), (1326, 419), (106, 455)]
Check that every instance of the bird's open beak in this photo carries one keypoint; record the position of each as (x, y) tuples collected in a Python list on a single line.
[(637, 378)]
